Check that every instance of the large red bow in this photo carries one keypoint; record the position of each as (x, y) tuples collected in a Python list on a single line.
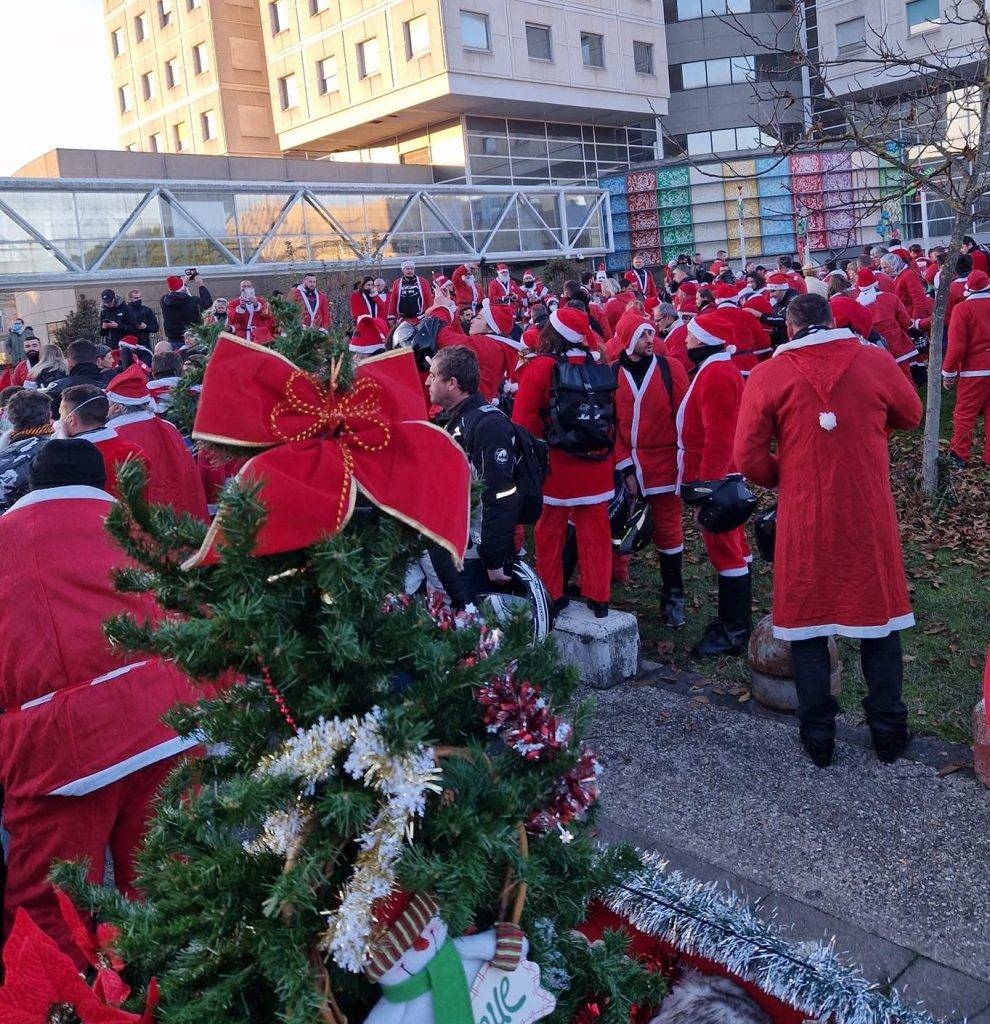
[(323, 444)]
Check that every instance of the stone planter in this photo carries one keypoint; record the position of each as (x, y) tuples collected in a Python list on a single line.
[(981, 743), (771, 673)]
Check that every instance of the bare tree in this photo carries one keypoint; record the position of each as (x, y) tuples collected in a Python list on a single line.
[(923, 112)]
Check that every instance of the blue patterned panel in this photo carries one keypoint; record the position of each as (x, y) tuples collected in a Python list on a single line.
[(618, 203), (615, 185), (618, 260), (775, 186), (775, 206), (774, 244), (772, 166), (621, 239), (620, 222)]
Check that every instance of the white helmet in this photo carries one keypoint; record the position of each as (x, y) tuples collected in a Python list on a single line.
[(525, 591)]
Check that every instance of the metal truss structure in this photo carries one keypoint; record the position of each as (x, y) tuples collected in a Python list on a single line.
[(62, 232)]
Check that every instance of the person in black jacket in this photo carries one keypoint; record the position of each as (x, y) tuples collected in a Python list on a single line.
[(181, 309), (116, 321), (81, 357), (488, 438), (145, 321), (31, 422)]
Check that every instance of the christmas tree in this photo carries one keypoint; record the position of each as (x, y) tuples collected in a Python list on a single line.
[(364, 743)]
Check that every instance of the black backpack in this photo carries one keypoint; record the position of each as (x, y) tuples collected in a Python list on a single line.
[(424, 341), (582, 408)]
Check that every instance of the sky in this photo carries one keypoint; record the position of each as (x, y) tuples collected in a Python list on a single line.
[(54, 80)]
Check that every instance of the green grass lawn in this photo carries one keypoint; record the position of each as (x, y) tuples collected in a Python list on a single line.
[(947, 556)]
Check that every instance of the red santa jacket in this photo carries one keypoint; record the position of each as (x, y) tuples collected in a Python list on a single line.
[(616, 307), (467, 294), (675, 341), (252, 324), (78, 716), (706, 420), (797, 281), (511, 292), (828, 401), (315, 310), (891, 322), (416, 293), (646, 431), (968, 354), (748, 336), (497, 360), (173, 477), (15, 376), (980, 260), (647, 286), (362, 304), (115, 451), (909, 289), (884, 283), (572, 481)]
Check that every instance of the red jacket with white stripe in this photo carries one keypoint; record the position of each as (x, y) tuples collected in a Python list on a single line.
[(646, 434), (572, 481), (891, 322), (647, 286), (257, 324), (502, 293), (675, 341), (319, 316), (909, 289), (115, 451), (957, 292), (706, 420), (748, 335), (93, 714), (467, 296), (968, 354)]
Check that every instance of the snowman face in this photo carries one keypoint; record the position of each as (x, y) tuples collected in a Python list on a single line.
[(424, 948)]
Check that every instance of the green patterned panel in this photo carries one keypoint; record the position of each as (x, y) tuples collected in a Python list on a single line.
[(679, 235), (672, 177), (674, 197), (671, 216)]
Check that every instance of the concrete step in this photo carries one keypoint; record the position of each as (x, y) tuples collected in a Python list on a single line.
[(604, 651)]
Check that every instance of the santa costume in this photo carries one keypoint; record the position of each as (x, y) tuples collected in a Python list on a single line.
[(651, 389), (160, 389), (314, 307), (503, 288), (467, 291), (498, 354), (643, 282), (362, 303), (370, 336), (411, 295), (83, 749), (828, 401), (675, 344), (173, 477), (908, 287), (967, 360), (577, 490), (748, 337), (706, 424), (533, 289), (251, 319), (890, 318), (115, 451)]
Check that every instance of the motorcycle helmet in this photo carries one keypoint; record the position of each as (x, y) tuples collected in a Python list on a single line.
[(765, 531), (722, 504), (639, 528), (525, 590)]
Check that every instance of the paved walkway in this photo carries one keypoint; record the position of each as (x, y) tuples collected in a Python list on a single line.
[(893, 860)]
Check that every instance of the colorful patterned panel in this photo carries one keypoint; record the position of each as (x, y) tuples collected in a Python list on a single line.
[(773, 167), (806, 163), (618, 203), (776, 186), (673, 215), (771, 206), (673, 177), (833, 162), (622, 239), (615, 185), (751, 208), (678, 236), (618, 260), (774, 245), (645, 239), (641, 181), (645, 221), (818, 240), (640, 201), (651, 257), (620, 222), (674, 197)]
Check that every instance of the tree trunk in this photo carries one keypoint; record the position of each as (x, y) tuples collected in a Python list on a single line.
[(933, 403)]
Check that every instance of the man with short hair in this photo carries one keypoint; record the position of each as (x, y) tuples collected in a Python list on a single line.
[(145, 321), (83, 413), (314, 304), (81, 357), (30, 416), (31, 347), (180, 308), (813, 423), (116, 318), (909, 288), (646, 286), (249, 317)]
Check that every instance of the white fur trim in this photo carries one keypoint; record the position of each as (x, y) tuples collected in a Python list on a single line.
[(818, 338), (124, 400), (637, 334), (695, 329), (102, 434), (366, 350), (907, 355), (486, 312), (838, 629), (972, 373), (671, 551), (592, 499), (132, 417), (977, 295), (867, 296), (89, 783), (744, 571), (827, 420), (563, 330), (70, 492)]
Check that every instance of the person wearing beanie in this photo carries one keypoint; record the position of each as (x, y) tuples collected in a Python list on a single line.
[(314, 305), (890, 318), (467, 289), (967, 368), (496, 351), (180, 308), (503, 289), (30, 417), (80, 772), (116, 318), (814, 424), (410, 296), (651, 389), (173, 478)]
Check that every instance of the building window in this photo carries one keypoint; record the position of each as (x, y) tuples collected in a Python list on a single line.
[(539, 43), (318, 6), (180, 136), (155, 142), (688, 10), (201, 60), (727, 140), (474, 31), (288, 93), (172, 72), (592, 50), (148, 85), (208, 125), (643, 57), (850, 35), (191, 5), (368, 59), (117, 42), (279, 16), (164, 13), (125, 99), (326, 76), (698, 74), (417, 34), (141, 27), (922, 14)]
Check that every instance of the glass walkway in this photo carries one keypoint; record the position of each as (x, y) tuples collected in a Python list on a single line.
[(61, 232)]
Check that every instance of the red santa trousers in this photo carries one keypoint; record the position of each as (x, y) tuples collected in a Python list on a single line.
[(728, 552), (668, 530), (47, 828), (594, 544), (972, 401)]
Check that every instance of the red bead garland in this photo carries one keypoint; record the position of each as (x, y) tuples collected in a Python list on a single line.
[(280, 702)]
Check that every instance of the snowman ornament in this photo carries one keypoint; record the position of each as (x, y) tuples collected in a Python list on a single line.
[(428, 978)]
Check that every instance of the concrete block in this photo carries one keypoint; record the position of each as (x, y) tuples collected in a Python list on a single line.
[(604, 651), (981, 743)]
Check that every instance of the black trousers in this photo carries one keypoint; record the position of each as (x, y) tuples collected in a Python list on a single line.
[(883, 670), (464, 585)]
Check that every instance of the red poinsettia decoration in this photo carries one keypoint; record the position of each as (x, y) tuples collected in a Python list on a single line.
[(42, 986), (98, 948)]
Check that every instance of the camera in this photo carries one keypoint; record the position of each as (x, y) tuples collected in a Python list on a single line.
[(192, 272)]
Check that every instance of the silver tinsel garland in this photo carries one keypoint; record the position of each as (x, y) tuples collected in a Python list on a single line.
[(704, 919)]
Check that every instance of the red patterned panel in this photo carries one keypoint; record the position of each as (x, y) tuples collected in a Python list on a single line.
[(816, 220), (806, 163), (651, 257), (645, 239), (647, 220), (818, 240), (641, 181), (639, 201)]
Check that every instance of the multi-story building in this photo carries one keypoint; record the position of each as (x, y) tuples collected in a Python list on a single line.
[(189, 76)]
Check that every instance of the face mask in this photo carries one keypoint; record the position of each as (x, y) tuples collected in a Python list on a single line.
[(700, 354), (58, 431), (32, 357), (247, 293), (17, 328), (529, 284)]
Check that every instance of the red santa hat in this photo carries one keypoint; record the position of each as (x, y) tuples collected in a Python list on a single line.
[(369, 335), (528, 275), (847, 312), (866, 278), (725, 292), (175, 283), (903, 253), (630, 278), (631, 330), (688, 288), (130, 387), (759, 302), (715, 328), (502, 267), (571, 324), (399, 921), (440, 282), (499, 318), (778, 280), (977, 282)]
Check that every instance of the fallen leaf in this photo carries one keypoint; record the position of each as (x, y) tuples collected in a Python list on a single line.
[(949, 769)]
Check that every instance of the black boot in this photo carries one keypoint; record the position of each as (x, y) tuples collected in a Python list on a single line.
[(729, 633), (819, 749), (672, 591), (890, 744), (600, 608)]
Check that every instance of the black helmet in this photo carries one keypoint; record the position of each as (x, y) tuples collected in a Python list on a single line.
[(618, 513), (639, 527), (765, 531), (525, 590), (722, 504)]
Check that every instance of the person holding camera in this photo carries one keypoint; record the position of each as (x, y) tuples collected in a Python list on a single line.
[(249, 316), (145, 321), (180, 308), (116, 319)]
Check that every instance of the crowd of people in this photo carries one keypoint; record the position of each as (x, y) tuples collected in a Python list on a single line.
[(594, 414)]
